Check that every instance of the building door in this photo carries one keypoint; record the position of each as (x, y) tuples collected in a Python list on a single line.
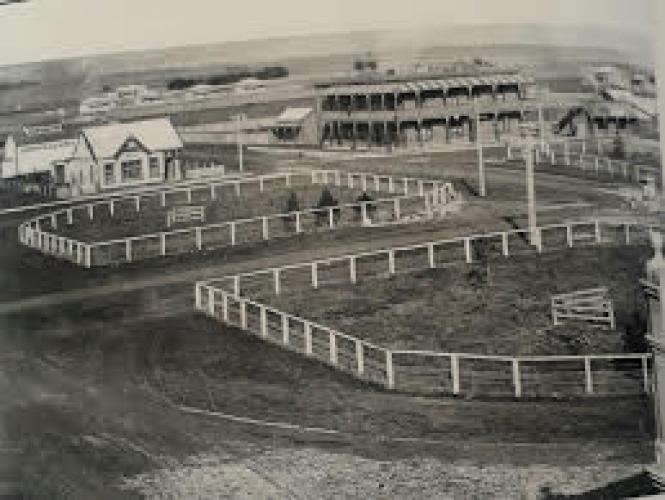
[(59, 174)]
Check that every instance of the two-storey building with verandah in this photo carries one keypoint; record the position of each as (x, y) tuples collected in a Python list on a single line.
[(378, 109)]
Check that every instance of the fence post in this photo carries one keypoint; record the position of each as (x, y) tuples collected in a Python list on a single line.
[(91, 211), (430, 255), (454, 373), (237, 187), (333, 348), (236, 285), (162, 196), (162, 244), (199, 238), (315, 275), (331, 218), (406, 186), (264, 227), (597, 232), (391, 184), (277, 281), (88, 256), (298, 226), (588, 386), (421, 187), (360, 357), (308, 338), (189, 195), (390, 372), (569, 235), (517, 380), (363, 179), (213, 192), (397, 209), (79, 251), (626, 229), (137, 200), (225, 307), (467, 250), (352, 270), (504, 244), (211, 301), (263, 319), (285, 329), (391, 261), (197, 296), (232, 227), (349, 180), (645, 374), (261, 184), (128, 250)]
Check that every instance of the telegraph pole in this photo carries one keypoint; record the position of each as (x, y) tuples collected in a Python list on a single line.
[(528, 151), (239, 119), (481, 165)]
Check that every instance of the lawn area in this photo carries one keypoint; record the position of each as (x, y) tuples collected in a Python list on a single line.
[(502, 308)]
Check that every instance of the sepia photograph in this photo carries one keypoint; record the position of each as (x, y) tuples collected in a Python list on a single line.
[(332, 250)]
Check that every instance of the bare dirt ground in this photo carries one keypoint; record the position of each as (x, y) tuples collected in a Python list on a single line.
[(95, 366)]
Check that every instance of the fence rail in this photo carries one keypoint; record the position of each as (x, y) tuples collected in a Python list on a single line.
[(410, 198), (426, 372)]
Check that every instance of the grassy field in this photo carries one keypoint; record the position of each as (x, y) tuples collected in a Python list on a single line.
[(95, 364), (500, 308), (228, 206)]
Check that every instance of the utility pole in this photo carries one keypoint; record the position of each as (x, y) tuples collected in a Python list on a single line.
[(528, 152), (239, 118), (481, 165), (655, 288)]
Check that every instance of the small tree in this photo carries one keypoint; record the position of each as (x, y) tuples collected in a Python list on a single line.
[(292, 205), (326, 200), (481, 273), (371, 207)]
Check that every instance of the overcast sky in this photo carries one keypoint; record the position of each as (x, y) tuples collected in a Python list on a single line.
[(47, 29)]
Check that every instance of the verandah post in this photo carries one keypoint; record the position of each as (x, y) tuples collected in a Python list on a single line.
[(352, 270), (333, 348), (277, 281), (504, 244), (391, 261), (285, 329), (430, 255), (315, 275)]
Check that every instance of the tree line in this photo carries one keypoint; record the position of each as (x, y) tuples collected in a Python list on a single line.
[(264, 73)]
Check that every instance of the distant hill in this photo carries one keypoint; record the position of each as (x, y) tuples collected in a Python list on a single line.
[(66, 81)]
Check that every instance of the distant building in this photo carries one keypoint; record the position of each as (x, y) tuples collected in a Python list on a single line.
[(121, 155), (22, 156), (99, 104), (248, 86), (131, 94), (295, 126), (404, 109)]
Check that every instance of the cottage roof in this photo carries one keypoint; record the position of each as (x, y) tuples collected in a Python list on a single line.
[(156, 135)]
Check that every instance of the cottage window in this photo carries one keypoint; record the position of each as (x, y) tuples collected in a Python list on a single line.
[(109, 173), (131, 170)]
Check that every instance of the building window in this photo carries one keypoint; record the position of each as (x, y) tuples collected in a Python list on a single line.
[(155, 172), (131, 170), (109, 173)]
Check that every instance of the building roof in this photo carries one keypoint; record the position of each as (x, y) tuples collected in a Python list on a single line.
[(425, 84), (156, 135), (39, 156), (293, 115)]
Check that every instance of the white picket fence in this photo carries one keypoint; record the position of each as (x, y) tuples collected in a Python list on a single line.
[(408, 196), (228, 300)]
